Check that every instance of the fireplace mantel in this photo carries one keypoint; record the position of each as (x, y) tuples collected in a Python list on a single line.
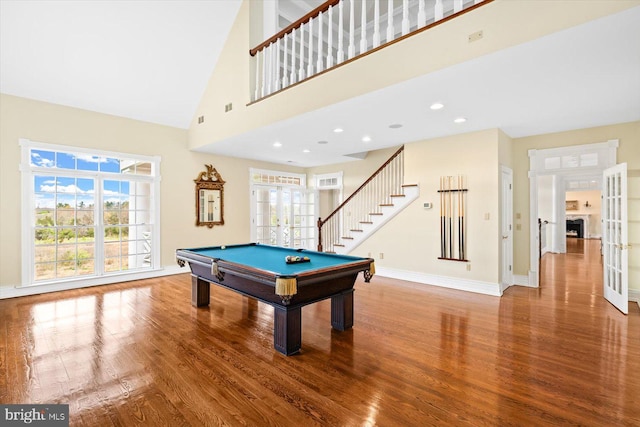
[(585, 221)]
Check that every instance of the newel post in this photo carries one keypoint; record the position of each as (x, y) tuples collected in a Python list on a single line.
[(319, 234)]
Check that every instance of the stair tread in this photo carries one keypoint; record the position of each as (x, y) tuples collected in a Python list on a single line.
[(347, 237), (366, 222), (337, 244), (397, 195), (386, 204), (409, 185), (376, 213), (359, 231)]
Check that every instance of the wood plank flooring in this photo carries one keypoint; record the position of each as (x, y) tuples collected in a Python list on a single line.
[(137, 353)]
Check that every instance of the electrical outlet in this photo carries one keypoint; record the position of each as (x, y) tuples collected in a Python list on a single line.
[(381, 255), (468, 267), (228, 107), (200, 119), (487, 216), (518, 227)]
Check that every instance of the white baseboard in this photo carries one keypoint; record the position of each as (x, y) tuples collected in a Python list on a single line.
[(21, 291), (634, 295), (520, 280), (476, 286)]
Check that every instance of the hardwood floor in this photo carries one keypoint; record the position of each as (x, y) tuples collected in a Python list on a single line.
[(138, 354)]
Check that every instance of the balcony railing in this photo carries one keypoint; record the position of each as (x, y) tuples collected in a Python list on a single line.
[(339, 31)]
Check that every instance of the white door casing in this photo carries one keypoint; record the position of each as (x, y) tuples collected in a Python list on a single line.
[(568, 162)]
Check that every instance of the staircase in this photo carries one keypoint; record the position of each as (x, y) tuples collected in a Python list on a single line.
[(372, 205)]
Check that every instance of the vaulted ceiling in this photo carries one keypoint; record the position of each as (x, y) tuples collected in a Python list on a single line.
[(145, 60), (151, 61)]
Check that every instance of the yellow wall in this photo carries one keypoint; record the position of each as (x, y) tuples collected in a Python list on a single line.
[(43, 122), (411, 240), (355, 172)]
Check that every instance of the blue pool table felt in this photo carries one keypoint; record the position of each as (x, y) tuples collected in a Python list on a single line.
[(272, 258)]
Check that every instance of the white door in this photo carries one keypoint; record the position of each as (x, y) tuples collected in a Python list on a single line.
[(507, 227), (614, 237), (283, 216), (303, 221)]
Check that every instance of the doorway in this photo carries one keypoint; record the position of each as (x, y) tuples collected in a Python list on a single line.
[(569, 212), (562, 170), (284, 216)]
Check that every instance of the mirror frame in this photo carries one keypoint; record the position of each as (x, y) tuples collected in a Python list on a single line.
[(209, 181)]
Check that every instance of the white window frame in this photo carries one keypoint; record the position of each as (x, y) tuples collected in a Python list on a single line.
[(28, 208), (318, 179)]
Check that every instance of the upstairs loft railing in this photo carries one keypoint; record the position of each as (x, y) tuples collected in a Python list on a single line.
[(339, 31), (377, 191)]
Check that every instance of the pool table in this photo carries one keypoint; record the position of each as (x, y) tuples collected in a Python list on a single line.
[(285, 278)]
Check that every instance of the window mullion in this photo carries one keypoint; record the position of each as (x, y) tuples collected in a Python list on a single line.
[(99, 224)]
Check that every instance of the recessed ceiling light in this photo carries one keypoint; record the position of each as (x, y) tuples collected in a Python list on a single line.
[(395, 126), (338, 130), (306, 151), (366, 138), (277, 144), (436, 106), (460, 120), (323, 142)]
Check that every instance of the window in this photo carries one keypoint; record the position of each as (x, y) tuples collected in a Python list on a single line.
[(88, 213), (329, 181)]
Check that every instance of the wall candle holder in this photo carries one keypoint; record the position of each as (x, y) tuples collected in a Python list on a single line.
[(453, 226)]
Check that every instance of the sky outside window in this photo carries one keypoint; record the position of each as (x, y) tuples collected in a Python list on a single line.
[(76, 192)]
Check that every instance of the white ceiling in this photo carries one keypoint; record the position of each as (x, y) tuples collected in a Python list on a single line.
[(151, 61), (145, 60)]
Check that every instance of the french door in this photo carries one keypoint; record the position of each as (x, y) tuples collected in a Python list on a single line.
[(615, 244), (284, 216)]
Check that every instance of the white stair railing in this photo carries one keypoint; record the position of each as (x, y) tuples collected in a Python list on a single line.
[(347, 220), (306, 47)]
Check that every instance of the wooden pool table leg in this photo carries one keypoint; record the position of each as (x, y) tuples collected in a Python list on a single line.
[(287, 329), (200, 290), (342, 310)]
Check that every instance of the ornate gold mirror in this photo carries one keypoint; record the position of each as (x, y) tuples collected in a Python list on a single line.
[(209, 198)]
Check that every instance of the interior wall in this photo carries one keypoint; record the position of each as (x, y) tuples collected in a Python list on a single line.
[(354, 172), (628, 135), (504, 23), (44, 122), (329, 201), (411, 241)]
